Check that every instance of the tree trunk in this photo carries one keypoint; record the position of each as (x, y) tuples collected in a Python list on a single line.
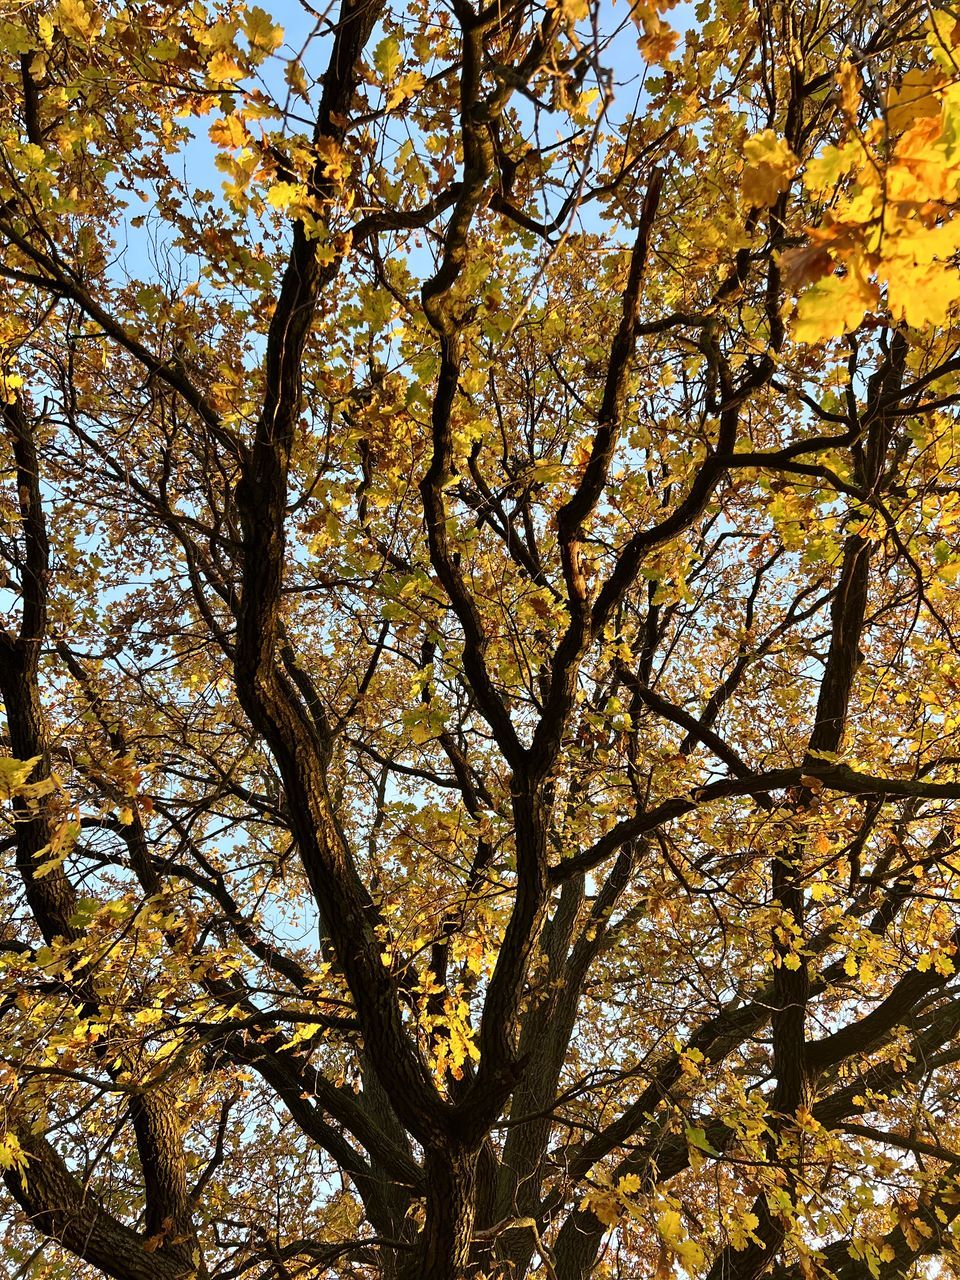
[(444, 1250)]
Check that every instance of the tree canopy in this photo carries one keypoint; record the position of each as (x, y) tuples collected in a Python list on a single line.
[(480, 599)]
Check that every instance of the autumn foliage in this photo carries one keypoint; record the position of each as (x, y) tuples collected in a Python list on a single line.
[(479, 640)]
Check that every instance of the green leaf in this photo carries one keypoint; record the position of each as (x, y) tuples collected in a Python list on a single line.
[(387, 57), (697, 1137)]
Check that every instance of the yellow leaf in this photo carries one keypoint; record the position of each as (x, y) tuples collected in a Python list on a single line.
[(922, 167), (822, 174), (222, 69), (76, 20), (261, 31), (848, 81), (657, 40), (741, 1230), (603, 1205), (336, 165), (914, 100), (832, 307), (296, 78), (229, 132), (770, 166), (920, 295), (690, 1254), (148, 1017), (13, 1156), (405, 88), (670, 1227), (283, 194), (10, 384), (61, 844), (13, 775), (943, 37), (33, 156)]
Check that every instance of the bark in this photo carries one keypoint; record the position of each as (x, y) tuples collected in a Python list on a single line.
[(444, 1248), (59, 1207)]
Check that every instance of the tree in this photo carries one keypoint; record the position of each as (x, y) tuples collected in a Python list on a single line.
[(479, 653)]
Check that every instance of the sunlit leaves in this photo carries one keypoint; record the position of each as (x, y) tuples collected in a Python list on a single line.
[(224, 69), (770, 164), (833, 306), (892, 228), (77, 18), (788, 393), (14, 775), (263, 34), (387, 57), (12, 1155)]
